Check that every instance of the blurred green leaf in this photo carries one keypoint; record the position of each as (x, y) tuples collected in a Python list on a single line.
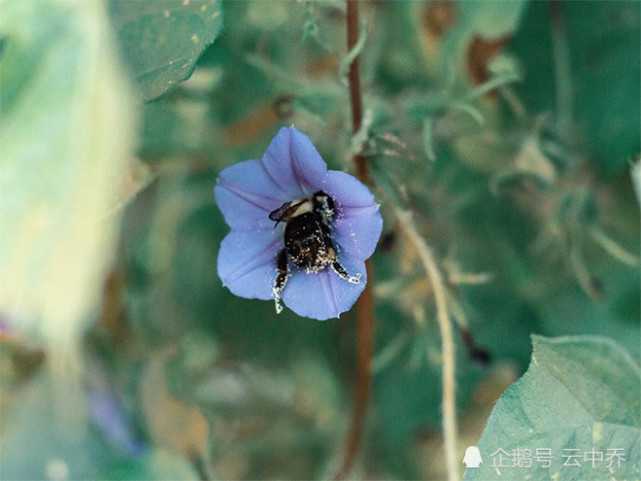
[(162, 39), (67, 138), (579, 393), (603, 42), (171, 237)]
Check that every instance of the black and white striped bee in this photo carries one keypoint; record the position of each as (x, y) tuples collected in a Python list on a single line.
[(308, 240)]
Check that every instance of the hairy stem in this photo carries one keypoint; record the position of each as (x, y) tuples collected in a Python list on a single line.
[(448, 404), (365, 305)]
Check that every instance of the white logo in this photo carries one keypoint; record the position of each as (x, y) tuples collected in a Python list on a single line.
[(472, 458)]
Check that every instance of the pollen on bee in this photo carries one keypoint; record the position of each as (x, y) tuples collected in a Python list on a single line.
[(355, 279)]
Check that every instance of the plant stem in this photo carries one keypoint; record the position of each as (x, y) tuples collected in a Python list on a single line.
[(365, 305), (355, 95), (448, 404), (562, 72)]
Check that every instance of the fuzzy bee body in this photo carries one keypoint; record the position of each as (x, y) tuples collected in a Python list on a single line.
[(308, 240)]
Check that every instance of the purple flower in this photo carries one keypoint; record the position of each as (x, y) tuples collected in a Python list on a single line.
[(107, 411), (329, 218)]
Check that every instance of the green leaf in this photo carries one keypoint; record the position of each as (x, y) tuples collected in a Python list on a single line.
[(161, 40), (67, 136), (579, 393)]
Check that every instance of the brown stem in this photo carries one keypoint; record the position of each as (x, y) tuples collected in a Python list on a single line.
[(365, 305)]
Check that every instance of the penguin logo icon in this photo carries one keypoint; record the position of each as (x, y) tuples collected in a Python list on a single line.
[(472, 458)]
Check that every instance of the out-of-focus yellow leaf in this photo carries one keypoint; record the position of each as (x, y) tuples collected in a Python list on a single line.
[(171, 423), (67, 137)]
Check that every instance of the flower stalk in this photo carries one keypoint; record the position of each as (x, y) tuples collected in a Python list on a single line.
[(365, 304)]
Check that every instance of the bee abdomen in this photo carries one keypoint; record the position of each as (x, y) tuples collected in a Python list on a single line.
[(305, 242)]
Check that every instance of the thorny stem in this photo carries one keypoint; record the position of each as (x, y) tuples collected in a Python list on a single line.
[(365, 305), (447, 339)]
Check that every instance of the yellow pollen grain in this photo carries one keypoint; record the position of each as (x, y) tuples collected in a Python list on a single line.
[(186, 2), (203, 8), (166, 13), (194, 38)]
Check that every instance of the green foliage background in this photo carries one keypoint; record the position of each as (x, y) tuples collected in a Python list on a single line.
[(508, 128)]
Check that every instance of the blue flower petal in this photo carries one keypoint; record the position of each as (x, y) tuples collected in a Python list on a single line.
[(246, 194), (292, 161), (347, 190), (357, 231), (247, 261), (107, 411), (358, 223), (324, 295)]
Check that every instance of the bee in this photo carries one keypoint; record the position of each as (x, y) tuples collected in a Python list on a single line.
[(308, 240)]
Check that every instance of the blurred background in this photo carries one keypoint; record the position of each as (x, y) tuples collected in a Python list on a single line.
[(510, 130)]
